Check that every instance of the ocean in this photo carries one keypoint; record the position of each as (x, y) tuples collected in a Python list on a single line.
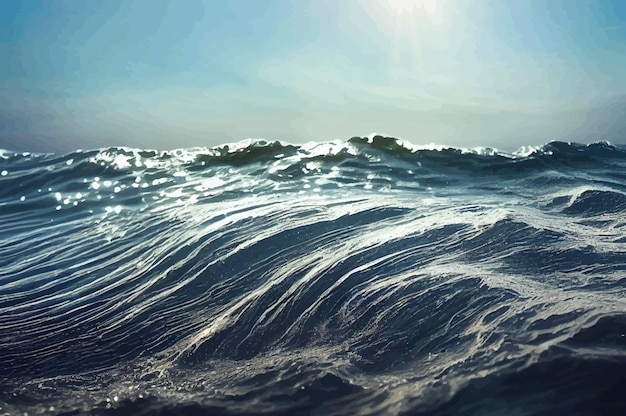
[(369, 276)]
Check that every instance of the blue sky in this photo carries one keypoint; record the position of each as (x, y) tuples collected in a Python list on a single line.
[(167, 74)]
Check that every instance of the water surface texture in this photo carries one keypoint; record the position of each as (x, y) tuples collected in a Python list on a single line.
[(369, 276)]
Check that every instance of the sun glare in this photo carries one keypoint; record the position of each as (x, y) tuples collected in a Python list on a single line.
[(401, 14), (413, 30), (412, 6)]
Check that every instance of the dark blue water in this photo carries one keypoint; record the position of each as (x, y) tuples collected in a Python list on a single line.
[(361, 277)]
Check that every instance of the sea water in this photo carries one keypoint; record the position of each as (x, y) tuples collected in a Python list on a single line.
[(370, 276)]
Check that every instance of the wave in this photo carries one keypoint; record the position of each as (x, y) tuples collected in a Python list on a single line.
[(367, 150), (374, 162), (266, 278)]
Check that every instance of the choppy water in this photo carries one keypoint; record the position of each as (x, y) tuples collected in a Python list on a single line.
[(361, 277)]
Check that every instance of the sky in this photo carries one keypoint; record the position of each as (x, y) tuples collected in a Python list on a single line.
[(83, 74)]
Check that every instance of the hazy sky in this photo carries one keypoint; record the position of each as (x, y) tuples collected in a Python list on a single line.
[(168, 74)]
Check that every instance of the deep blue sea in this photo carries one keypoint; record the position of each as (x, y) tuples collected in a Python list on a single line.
[(369, 276)]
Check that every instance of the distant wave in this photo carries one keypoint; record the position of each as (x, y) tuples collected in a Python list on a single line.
[(287, 162), (370, 276)]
